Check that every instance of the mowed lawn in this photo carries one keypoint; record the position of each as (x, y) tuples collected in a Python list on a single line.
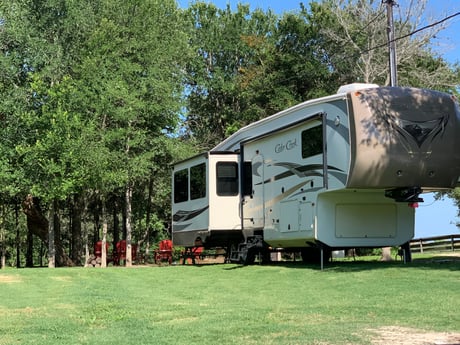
[(290, 303)]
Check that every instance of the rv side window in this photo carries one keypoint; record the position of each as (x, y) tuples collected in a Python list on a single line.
[(247, 178), (227, 178), (198, 181), (312, 141), (181, 186)]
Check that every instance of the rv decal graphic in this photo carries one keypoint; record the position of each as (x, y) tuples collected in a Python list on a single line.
[(255, 168), (300, 171), (182, 216), (277, 199), (419, 131)]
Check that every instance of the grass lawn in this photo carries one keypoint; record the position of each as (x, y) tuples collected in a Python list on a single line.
[(289, 303)]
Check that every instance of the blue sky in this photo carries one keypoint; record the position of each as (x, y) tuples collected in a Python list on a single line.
[(433, 217)]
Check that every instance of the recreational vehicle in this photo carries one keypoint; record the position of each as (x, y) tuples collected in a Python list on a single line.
[(342, 171)]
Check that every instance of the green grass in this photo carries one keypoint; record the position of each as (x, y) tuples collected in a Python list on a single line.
[(288, 303)]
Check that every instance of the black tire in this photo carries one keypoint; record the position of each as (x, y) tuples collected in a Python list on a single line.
[(250, 257)]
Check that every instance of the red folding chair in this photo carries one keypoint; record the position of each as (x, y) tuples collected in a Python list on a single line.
[(120, 254), (98, 249), (191, 254), (164, 252)]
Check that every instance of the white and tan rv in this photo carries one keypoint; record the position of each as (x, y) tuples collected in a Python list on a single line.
[(342, 171)]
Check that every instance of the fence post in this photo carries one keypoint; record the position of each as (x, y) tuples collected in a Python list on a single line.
[(452, 243), (421, 246)]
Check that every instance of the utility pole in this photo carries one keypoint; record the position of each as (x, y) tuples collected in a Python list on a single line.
[(391, 42)]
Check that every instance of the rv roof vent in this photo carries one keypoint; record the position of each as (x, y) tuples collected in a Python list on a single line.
[(355, 86)]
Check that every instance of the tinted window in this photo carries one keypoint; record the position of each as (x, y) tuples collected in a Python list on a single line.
[(227, 178), (312, 141), (198, 181), (181, 186)]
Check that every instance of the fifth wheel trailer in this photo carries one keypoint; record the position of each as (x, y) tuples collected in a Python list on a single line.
[(342, 171)]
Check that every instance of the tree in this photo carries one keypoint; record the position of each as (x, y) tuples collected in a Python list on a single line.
[(132, 72), (248, 66), (454, 194), (98, 83), (354, 40), (289, 68), (214, 96)]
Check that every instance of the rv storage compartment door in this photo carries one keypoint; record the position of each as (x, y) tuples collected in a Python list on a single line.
[(290, 216), (363, 219), (358, 220)]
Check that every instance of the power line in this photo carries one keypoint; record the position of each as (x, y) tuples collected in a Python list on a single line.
[(412, 33), (386, 43), (377, 16)]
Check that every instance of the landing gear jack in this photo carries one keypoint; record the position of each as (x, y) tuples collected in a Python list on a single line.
[(246, 252)]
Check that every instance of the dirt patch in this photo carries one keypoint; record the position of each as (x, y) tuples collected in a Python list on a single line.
[(62, 279), (410, 336), (9, 279)]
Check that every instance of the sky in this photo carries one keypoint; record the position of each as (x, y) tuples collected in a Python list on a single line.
[(432, 217)]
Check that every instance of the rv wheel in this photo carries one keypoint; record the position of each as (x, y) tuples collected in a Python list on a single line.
[(250, 257)]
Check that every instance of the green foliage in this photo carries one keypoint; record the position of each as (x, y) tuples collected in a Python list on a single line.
[(455, 196), (219, 53), (52, 152), (248, 66), (132, 89)]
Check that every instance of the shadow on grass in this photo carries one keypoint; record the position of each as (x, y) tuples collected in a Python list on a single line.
[(446, 262), (440, 261)]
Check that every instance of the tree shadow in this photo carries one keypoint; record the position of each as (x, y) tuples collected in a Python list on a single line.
[(443, 262)]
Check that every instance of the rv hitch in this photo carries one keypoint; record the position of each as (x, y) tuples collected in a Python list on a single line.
[(406, 194)]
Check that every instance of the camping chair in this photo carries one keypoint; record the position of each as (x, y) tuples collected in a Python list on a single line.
[(120, 254), (191, 254), (164, 252), (98, 249)]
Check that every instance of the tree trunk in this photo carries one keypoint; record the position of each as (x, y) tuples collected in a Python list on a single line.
[(128, 197), (148, 217), (38, 224), (30, 249), (86, 246), (123, 217), (51, 247), (18, 236), (76, 239), (2, 249), (386, 254), (116, 222), (104, 248), (104, 236)]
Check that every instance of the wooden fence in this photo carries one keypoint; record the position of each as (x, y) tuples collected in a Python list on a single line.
[(437, 243)]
